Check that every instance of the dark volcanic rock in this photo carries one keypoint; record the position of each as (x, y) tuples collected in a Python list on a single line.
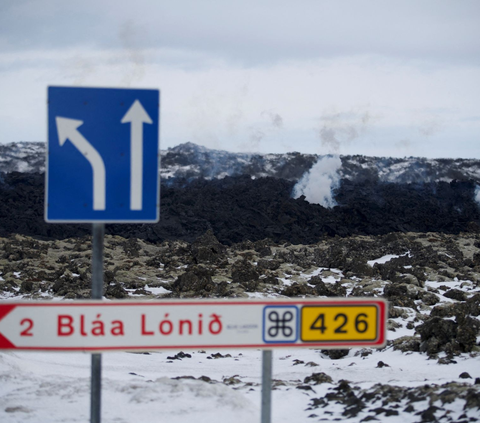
[(453, 337), (318, 378), (240, 208), (435, 334), (399, 295), (336, 354), (196, 280), (455, 294), (297, 290), (207, 249), (131, 248), (320, 286), (389, 400), (115, 291), (244, 271)]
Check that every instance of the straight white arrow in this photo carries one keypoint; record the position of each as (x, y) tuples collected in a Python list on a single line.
[(137, 116), (67, 129)]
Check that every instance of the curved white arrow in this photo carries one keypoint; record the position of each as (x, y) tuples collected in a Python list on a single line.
[(137, 116), (67, 129)]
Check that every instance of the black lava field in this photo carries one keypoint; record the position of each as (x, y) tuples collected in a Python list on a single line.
[(240, 208)]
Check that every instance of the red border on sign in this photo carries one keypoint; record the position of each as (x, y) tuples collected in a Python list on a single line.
[(127, 303), (379, 342), (5, 344)]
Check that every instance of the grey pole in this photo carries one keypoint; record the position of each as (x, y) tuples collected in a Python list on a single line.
[(98, 232), (266, 386)]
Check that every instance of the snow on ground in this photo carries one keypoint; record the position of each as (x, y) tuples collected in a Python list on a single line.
[(385, 259), (54, 387), (218, 386)]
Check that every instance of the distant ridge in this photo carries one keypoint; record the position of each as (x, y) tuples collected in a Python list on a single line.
[(242, 196), (190, 161)]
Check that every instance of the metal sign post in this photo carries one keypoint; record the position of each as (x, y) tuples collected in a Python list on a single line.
[(266, 386), (98, 231), (102, 167)]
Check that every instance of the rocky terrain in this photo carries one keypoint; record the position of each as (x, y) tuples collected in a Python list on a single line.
[(405, 229), (241, 208), (252, 197), (431, 280), (189, 161)]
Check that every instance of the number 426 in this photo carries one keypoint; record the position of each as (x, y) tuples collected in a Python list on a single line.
[(361, 325)]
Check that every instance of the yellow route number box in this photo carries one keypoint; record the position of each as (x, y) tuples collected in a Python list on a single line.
[(337, 323)]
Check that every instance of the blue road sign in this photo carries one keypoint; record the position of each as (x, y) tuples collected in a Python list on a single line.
[(103, 155)]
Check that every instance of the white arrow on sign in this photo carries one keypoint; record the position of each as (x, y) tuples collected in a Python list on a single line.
[(137, 116), (67, 129)]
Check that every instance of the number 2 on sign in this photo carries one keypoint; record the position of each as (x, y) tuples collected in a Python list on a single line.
[(28, 323)]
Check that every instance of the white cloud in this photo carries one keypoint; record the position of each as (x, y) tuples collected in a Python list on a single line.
[(229, 70), (226, 106), (253, 32)]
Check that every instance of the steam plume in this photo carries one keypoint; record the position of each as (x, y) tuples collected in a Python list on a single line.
[(271, 123), (337, 129), (318, 183), (430, 126), (129, 37), (275, 119)]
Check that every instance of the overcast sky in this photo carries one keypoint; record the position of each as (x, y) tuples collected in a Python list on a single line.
[(374, 77)]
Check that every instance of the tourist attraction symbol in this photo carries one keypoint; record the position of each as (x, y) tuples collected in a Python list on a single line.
[(124, 325), (102, 159)]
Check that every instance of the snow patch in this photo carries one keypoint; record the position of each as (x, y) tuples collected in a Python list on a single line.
[(382, 260), (157, 291), (387, 258)]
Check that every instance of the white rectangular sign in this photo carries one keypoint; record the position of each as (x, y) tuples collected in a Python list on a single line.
[(125, 325)]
